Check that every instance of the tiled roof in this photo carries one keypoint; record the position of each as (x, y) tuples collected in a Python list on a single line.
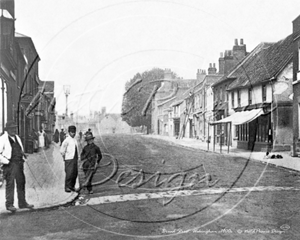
[(266, 61), (211, 79), (48, 85)]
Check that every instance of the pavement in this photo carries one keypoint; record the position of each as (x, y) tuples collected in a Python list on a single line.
[(287, 161), (45, 177)]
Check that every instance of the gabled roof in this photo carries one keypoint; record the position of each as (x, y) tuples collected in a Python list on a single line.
[(230, 74), (266, 61), (25, 40)]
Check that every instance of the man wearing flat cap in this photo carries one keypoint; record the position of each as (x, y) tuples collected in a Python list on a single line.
[(12, 157), (91, 155), (69, 151)]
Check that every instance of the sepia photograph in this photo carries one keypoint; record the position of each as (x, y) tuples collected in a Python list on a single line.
[(149, 119)]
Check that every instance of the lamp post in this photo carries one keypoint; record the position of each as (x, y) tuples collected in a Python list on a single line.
[(67, 93)]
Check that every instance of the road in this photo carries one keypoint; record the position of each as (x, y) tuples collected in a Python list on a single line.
[(149, 188)]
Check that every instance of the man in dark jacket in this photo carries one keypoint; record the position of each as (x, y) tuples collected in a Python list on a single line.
[(91, 155)]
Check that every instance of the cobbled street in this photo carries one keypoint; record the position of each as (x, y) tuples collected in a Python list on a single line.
[(156, 189)]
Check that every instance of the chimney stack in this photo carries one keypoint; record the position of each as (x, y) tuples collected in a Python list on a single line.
[(239, 51), (200, 75), (212, 69), (221, 63), (296, 24)]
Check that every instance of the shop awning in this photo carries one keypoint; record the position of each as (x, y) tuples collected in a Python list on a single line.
[(241, 117)]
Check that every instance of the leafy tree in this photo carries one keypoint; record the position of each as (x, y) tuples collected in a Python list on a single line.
[(136, 105)]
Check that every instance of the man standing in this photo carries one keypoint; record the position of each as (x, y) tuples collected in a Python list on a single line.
[(91, 154), (69, 151), (80, 135), (12, 157), (62, 136)]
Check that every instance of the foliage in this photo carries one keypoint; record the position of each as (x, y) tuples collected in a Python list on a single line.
[(137, 92)]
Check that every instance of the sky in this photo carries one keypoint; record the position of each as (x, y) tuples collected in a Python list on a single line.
[(96, 46)]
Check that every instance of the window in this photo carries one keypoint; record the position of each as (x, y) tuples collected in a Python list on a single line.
[(220, 95), (242, 132), (250, 96), (232, 99), (264, 93), (239, 98)]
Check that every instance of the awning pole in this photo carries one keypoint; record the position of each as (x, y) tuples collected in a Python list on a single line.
[(207, 136), (221, 138), (214, 138), (229, 137)]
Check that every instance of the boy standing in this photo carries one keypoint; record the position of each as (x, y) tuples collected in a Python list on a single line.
[(69, 151), (91, 154)]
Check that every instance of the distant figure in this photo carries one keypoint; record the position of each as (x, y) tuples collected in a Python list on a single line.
[(35, 137), (42, 138), (89, 131), (56, 136), (80, 135), (62, 136)]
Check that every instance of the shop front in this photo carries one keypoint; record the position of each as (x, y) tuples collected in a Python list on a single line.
[(252, 130)]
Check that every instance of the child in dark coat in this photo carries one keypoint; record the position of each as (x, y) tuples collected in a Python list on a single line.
[(91, 155)]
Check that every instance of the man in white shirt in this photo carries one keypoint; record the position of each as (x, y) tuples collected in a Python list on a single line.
[(69, 151), (12, 157)]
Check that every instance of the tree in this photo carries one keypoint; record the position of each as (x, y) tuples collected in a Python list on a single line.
[(136, 105)]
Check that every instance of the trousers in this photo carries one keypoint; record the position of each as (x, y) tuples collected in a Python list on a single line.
[(14, 173), (88, 169), (71, 170)]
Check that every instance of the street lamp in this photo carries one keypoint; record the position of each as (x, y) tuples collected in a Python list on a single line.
[(67, 92)]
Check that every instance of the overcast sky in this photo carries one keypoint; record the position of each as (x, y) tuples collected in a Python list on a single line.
[(95, 46)]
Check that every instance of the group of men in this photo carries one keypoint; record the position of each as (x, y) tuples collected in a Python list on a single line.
[(90, 156), (12, 157)]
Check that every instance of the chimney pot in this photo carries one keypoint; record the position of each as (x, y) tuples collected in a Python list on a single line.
[(210, 65), (236, 42), (214, 65), (221, 55), (241, 41)]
